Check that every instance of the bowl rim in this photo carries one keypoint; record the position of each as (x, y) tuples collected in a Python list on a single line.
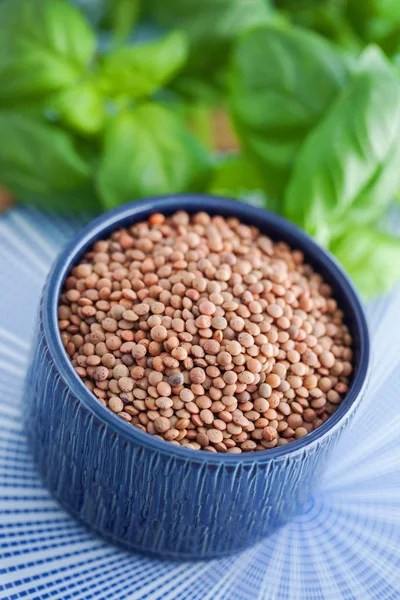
[(139, 210)]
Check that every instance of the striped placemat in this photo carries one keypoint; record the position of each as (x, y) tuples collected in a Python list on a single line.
[(346, 544)]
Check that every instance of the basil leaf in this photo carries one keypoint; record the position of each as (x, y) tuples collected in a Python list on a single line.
[(389, 9), (148, 151), (372, 59), (371, 258), (138, 71), (347, 169), (373, 15), (236, 174), (123, 15), (376, 21), (238, 177), (44, 46), (211, 26), (79, 107), (38, 159), (283, 81)]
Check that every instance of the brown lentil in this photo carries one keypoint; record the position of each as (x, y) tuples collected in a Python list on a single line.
[(182, 337)]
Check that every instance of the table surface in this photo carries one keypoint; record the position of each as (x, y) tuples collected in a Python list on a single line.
[(346, 544)]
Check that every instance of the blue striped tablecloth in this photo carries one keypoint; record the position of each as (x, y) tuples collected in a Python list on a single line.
[(346, 544)]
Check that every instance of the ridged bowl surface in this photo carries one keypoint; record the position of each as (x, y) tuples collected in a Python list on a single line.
[(146, 494)]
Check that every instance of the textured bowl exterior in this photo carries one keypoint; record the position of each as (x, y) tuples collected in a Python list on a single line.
[(146, 494)]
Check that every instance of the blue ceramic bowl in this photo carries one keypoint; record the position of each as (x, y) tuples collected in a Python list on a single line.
[(147, 494)]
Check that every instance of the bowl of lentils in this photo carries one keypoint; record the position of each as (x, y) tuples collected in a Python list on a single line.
[(195, 361)]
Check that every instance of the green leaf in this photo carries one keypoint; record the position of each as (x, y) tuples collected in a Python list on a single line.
[(80, 107), (347, 168), (372, 59), (376, 21), (198, 89), (148, 151), (211, 26), (138, 71), (296, 4), (44, 45), (238, 177), (389, 9), (371, 258), (236, 174), (283, 81), (326, 17), (363, 13), (124, 14), (38, 159)]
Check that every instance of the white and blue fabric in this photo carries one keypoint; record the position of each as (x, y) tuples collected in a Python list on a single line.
[(345, 544)]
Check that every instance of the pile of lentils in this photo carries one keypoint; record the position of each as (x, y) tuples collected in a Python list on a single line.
[(203, 332)]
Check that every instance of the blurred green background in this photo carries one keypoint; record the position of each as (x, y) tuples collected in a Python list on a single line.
[(290, 104)]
